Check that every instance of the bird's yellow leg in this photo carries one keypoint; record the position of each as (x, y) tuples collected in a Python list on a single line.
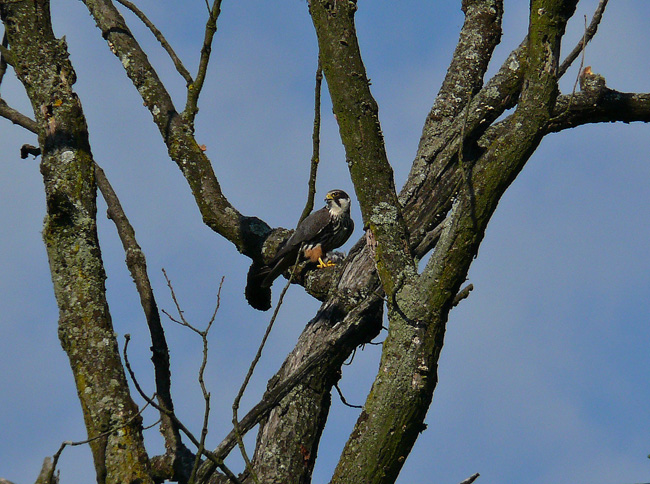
[(322, 265)]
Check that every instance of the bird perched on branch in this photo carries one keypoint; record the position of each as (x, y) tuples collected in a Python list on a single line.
[(319, 233)]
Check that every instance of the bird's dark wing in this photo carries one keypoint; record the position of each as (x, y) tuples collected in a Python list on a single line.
[(306, 231)]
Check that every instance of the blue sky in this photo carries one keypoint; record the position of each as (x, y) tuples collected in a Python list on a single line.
[(543, 378)]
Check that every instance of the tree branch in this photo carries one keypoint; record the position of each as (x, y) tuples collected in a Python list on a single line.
[(194, 89), (246, 233), (235, 406), (601, 106), (401, 394), (3, 61), (586, 38), (214, 460), (176, 452), (320, 350), (471, 479), (480, 34), (70, 236), (17, 117), (315, 156), (356, 113), (161, 39)]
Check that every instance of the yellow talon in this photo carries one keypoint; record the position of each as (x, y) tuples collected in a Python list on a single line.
[(322, 265)]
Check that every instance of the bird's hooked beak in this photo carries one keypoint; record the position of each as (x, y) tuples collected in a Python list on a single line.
[(329, 196)]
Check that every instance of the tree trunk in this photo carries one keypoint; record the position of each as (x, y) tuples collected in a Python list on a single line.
[(70, 235)]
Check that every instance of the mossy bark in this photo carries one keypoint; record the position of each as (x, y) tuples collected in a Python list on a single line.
[(70, 235), (419, 304)]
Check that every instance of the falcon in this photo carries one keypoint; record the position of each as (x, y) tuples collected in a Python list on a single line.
[(319, 233)]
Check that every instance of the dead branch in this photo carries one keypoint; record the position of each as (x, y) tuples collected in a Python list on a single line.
[(463, 294), (137, 265), (249, 374), (343, 400), (204, 338), (283, 384)]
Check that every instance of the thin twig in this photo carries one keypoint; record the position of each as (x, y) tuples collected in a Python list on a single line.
[(315, 157), (343, 400), (55, 457), (161, 39), (251, 369), (588, 35), (137, 265), (206, 394), (182, 321), (209, 455), (582, 63), (204, 338), (152, 425), (194, 89)]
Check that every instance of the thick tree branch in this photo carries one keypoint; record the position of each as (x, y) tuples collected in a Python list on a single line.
[(70, 236), (480, 34), (602, 106), (356, 113), (401, 394), (435, 175)]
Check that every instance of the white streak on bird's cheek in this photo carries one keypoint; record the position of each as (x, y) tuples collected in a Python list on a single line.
[(337, 209)]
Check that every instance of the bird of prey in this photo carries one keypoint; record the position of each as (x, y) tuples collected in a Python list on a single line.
[(319, 233)]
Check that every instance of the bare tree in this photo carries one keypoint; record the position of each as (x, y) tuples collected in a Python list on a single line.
[(469, 154)]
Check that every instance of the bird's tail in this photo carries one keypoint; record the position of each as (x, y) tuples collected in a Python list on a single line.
[(258, 294)]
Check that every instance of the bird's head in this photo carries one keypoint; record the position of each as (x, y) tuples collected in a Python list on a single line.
[(338, 202)]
